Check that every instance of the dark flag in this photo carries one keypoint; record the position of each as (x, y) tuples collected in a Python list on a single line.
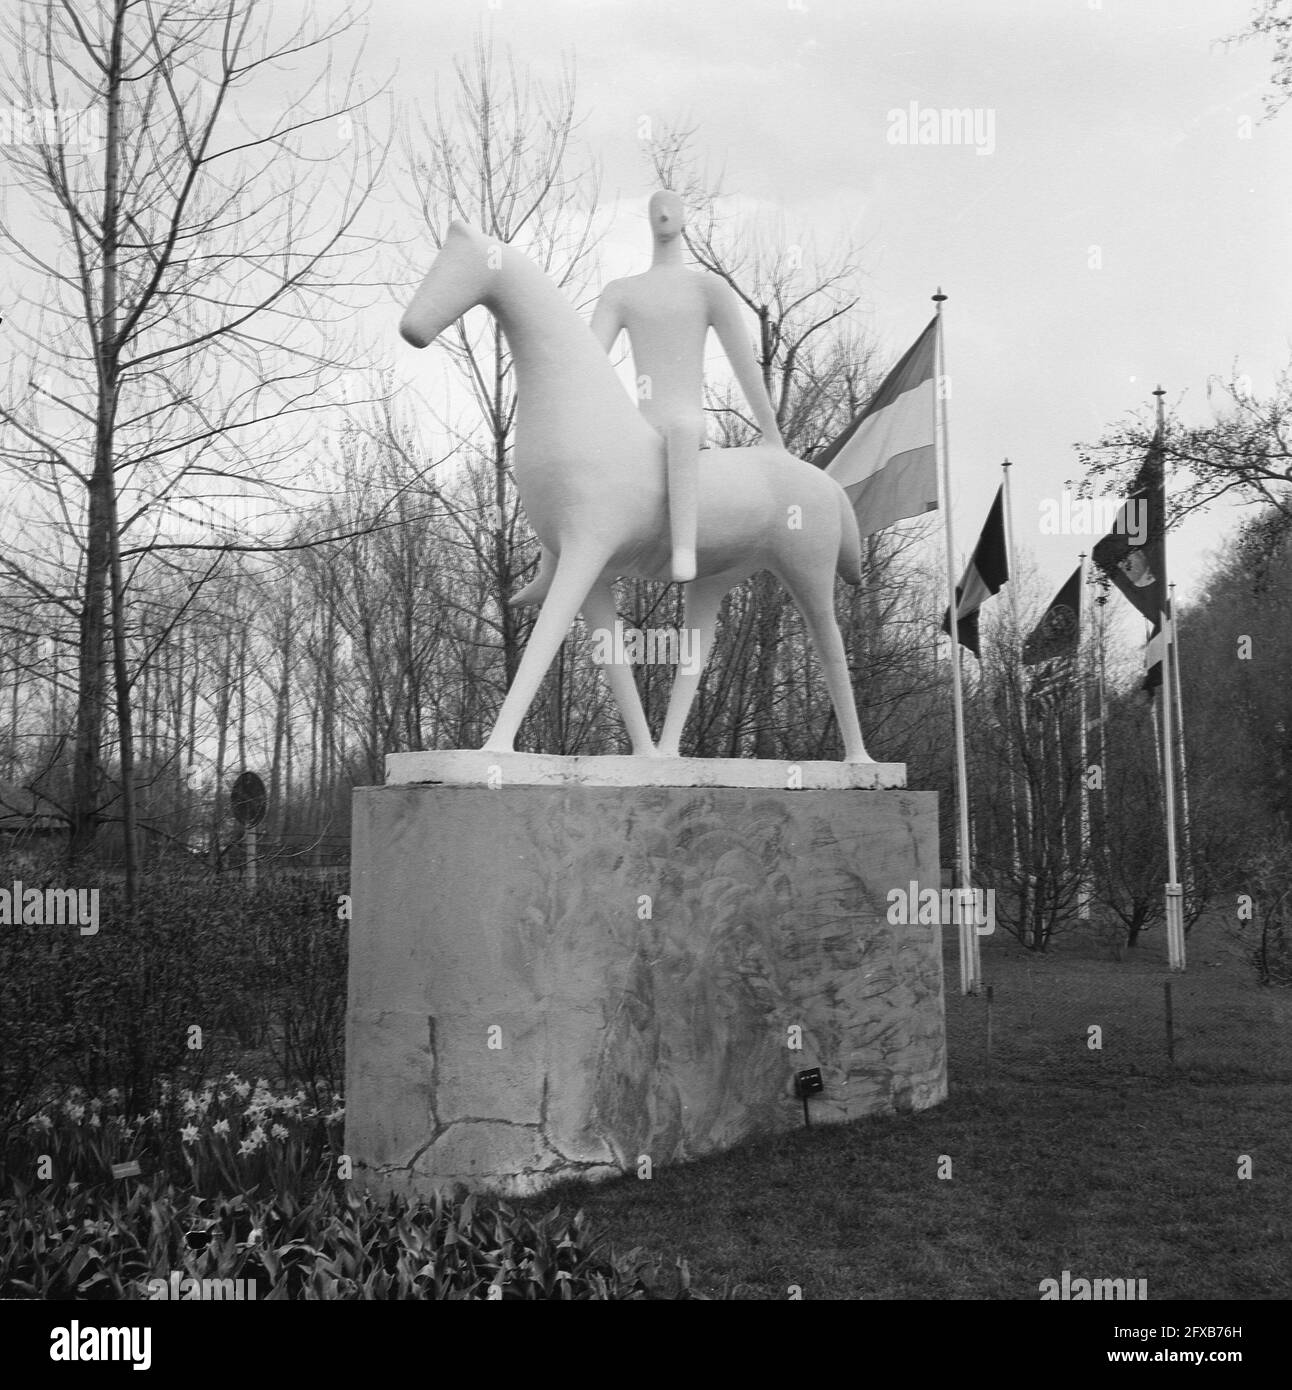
[(1133, 553), (1059, 631), (987, 571)]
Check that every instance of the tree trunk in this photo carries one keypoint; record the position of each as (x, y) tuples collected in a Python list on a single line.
[(87, 775)]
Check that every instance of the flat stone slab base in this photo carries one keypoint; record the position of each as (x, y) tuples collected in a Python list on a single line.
[(548, 982), (471, 767)]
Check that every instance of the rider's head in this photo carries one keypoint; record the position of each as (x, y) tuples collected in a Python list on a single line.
[(667, 215)]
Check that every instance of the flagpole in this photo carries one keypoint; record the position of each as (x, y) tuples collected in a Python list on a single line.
[(974, 940), (1102, 603), (1173, 649), (1174, 893), (1012, 695), (968, 975), (1024, 878), (1083, 890)]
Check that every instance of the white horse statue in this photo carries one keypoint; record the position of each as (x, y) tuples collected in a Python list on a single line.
[(591, 476)]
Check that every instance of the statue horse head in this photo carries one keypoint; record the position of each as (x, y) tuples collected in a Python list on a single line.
[(458, 280)]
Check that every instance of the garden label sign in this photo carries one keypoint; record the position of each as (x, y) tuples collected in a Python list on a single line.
[(248, 799), (248, 802)]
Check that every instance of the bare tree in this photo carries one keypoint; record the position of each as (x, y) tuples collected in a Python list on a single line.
[(1244, 455), (186, 275), (1272, 19)]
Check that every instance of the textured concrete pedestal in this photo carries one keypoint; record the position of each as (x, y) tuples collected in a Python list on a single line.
[(559, 980)]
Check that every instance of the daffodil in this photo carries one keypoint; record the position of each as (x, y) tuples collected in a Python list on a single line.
[(189, 1134)]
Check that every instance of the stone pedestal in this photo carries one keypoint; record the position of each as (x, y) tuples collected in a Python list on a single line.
[(563, 978)]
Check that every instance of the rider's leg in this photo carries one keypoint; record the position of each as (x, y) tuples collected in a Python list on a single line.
[(683, 442)]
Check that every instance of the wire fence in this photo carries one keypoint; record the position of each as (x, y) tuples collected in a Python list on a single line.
[(1070, 1017)]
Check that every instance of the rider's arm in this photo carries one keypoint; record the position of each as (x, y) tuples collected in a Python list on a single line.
[(608, 316), (724, 316)]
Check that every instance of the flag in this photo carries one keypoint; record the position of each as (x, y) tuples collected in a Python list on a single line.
[(886, 459), (1133, 553), (1155, 650), (1059, 631), (986, 572)]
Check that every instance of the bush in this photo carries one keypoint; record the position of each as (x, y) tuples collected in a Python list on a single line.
[(119, 1010), (1267, 935)]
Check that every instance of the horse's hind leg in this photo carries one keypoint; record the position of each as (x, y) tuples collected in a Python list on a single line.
[(703, 597), (814, 595), (576, 572), (599, 610)]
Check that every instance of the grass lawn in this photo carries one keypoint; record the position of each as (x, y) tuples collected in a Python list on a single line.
[(1109, 1165)]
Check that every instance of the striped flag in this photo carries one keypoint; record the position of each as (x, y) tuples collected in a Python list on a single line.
[(1059, 631), (1155, 651), (1052, 685), (987, 571), (885, 460)]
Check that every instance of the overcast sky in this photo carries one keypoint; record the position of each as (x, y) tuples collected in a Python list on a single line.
[(1122, 218), (1128, 223)]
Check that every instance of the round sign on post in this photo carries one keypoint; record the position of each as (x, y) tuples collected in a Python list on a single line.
[(248, 799)]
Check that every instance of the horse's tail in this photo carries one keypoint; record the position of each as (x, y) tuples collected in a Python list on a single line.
[(849, 561)]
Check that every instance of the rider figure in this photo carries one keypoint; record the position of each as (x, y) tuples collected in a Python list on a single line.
[(667, 312)]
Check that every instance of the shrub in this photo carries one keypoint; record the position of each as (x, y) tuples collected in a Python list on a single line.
[(118, 1010), (1267, 937)]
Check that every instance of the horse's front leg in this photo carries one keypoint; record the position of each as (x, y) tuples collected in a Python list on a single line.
[(577, 569)]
